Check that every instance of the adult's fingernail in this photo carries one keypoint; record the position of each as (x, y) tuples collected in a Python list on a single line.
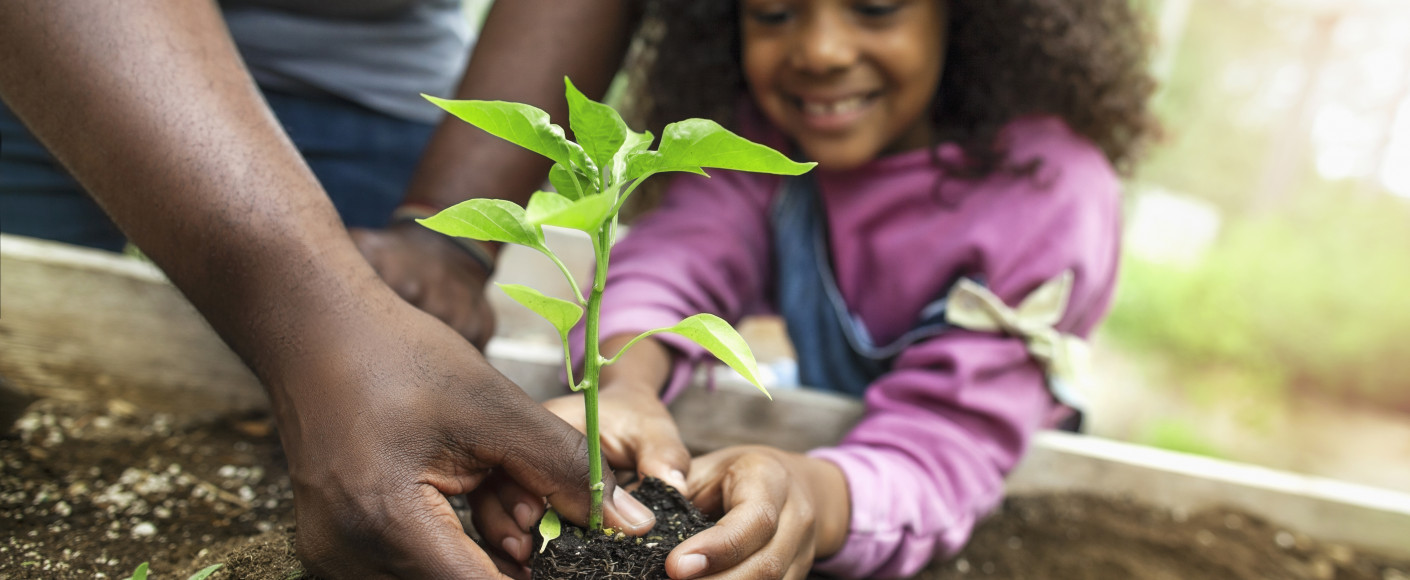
[(676, 479), (512, 546), (692, 565), (636, 514), (524, 516)]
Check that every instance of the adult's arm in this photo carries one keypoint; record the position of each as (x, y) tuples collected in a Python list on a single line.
[(382, 410), (524, 51)]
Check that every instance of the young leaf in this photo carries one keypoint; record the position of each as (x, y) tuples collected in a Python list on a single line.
[(694, 144), (140, 573), (549, 528), (562, 314), (564, 183), (491, 220), (721, 339), (551, 209), (523, 125), (598, 127), (205, 572), (636, 144)]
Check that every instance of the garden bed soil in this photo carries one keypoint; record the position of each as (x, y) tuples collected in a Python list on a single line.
[(91, 490)]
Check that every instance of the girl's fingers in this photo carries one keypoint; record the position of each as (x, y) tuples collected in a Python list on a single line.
[(568, 408), (754, 490), (661, 454), (704, 479)]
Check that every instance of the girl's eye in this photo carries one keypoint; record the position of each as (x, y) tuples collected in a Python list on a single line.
[(770, 16), (876, 9)]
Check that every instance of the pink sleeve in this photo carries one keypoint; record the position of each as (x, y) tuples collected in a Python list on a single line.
[(704, 249), (957, 411)]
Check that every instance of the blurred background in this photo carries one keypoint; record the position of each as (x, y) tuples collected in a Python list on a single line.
[(1263, 313)]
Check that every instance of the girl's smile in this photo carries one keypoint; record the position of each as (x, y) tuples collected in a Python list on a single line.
[(835, 114), (847, 80)]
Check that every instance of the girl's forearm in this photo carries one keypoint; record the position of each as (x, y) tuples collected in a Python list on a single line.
[(645, 367)]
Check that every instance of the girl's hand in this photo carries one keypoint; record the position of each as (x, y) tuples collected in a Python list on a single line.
[(637, 430), (781, 510)]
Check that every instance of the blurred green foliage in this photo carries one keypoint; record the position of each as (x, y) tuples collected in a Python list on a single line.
[(1177, 435), (1315, 297)]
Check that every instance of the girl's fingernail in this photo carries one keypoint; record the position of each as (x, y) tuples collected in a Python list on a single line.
[(691, 565), (676, 479), (524, 516), (632, 511), (512, 545)]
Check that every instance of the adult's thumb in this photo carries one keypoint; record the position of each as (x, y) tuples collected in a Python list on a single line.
[(554, 465)]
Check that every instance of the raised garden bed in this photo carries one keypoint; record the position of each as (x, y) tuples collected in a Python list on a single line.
[(159, 449), (92, 489)]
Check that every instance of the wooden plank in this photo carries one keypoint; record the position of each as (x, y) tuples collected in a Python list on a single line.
[(1330, 510), (75, 322), (80, 323)]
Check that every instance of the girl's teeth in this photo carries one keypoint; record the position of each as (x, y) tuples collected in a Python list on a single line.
[(833, 108)]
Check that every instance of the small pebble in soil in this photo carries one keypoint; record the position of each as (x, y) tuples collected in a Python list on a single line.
[(1204, 537), (143, 530), (1284, 540), (1341, 554), (962, 566), (1324, 570)]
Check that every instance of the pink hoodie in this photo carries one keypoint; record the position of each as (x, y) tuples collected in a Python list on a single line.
[(956, 412)]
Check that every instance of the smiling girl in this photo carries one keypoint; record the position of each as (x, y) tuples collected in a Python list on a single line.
[(959, 236)]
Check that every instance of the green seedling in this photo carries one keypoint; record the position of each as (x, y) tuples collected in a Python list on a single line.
[(141, 572), (592, 178)]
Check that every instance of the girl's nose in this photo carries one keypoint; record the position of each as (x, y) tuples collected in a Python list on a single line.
[(824, 44)]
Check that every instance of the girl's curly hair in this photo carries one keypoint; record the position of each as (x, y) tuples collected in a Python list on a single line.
[(1084, 61)]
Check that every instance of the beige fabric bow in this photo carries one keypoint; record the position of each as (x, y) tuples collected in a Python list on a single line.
[(1064, 357)]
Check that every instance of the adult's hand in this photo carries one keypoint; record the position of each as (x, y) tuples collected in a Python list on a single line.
[(394, 416), (382, 409), (428, 270)]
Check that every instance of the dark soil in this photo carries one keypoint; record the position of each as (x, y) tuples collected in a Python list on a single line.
[(581, 555), (1097, 538), (91, 490)]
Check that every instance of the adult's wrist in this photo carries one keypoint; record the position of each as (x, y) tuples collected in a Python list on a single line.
[(483, 254)]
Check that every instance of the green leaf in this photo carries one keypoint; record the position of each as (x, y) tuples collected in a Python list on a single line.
[(562, 314), (636, 144), (523, 125), (140, 573), (491, 220), (562, 180), (205, 572), (694, 144), (599, 129), (721, 339), (547, 208), (549, 528)]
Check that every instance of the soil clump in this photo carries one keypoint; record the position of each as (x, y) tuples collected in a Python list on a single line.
[(578, 554)]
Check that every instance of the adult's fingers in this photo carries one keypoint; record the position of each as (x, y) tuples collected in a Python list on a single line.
[(555, 465), (415, 535), (505, 514)]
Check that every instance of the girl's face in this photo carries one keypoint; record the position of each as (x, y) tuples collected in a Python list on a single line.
[(848, 80)]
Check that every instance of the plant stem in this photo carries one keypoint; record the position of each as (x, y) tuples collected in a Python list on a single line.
[(592, 370)]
